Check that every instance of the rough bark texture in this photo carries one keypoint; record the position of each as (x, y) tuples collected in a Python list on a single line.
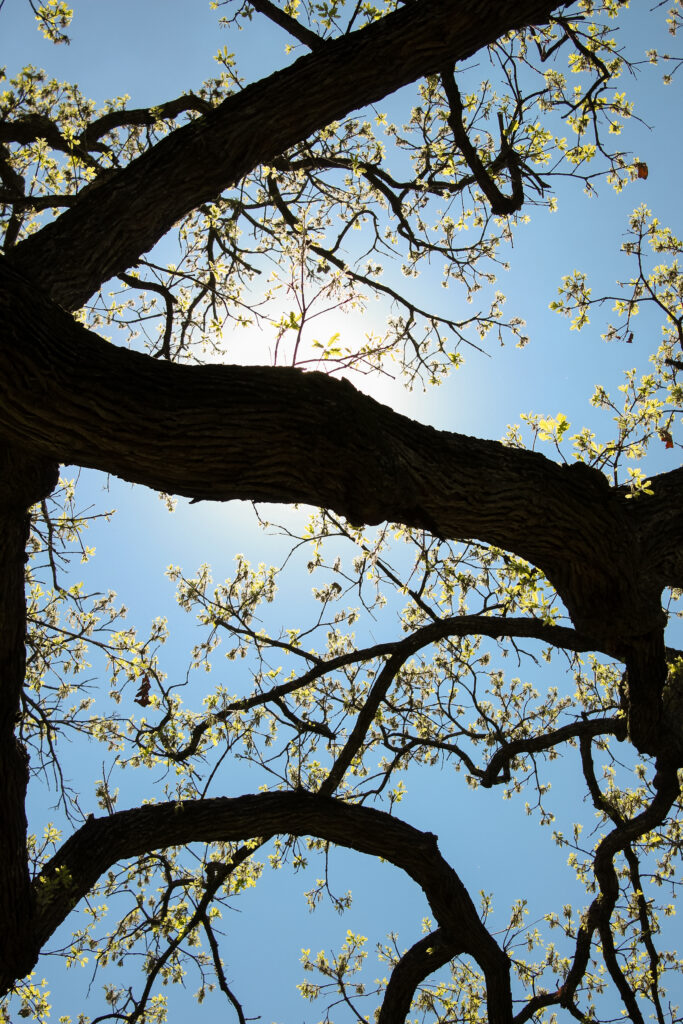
[(228, 432), (277, 434), (23, 480), (123, 217), (101, 842)]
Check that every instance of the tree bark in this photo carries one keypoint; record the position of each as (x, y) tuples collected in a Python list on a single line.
[(101, 842), (114, 222), (23, 481), (269, 434), (226, 432), (277, 434)]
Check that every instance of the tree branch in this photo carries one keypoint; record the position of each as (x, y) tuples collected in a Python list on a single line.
[(31, 127), (597, 917), (254, 428), (398, 651), (500, 203), (23, 481), (102, 842), (309, 38), (416, 964), (108, 230), (497, 770)]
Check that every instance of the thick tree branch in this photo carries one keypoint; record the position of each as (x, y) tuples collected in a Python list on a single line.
[(114, 224), (276, 434), (23, 481), (662, 517), (264, 434), (102, 842)]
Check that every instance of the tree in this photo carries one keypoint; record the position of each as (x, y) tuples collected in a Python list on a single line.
[(280, 170)]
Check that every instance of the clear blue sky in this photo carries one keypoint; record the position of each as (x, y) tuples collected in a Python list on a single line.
[(153, 50)]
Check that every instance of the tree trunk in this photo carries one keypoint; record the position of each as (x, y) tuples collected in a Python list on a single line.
[(23, 480)]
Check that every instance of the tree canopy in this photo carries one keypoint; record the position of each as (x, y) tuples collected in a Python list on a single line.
[(139, 245)]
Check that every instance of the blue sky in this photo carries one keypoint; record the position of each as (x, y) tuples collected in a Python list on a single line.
[(152, 50)]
